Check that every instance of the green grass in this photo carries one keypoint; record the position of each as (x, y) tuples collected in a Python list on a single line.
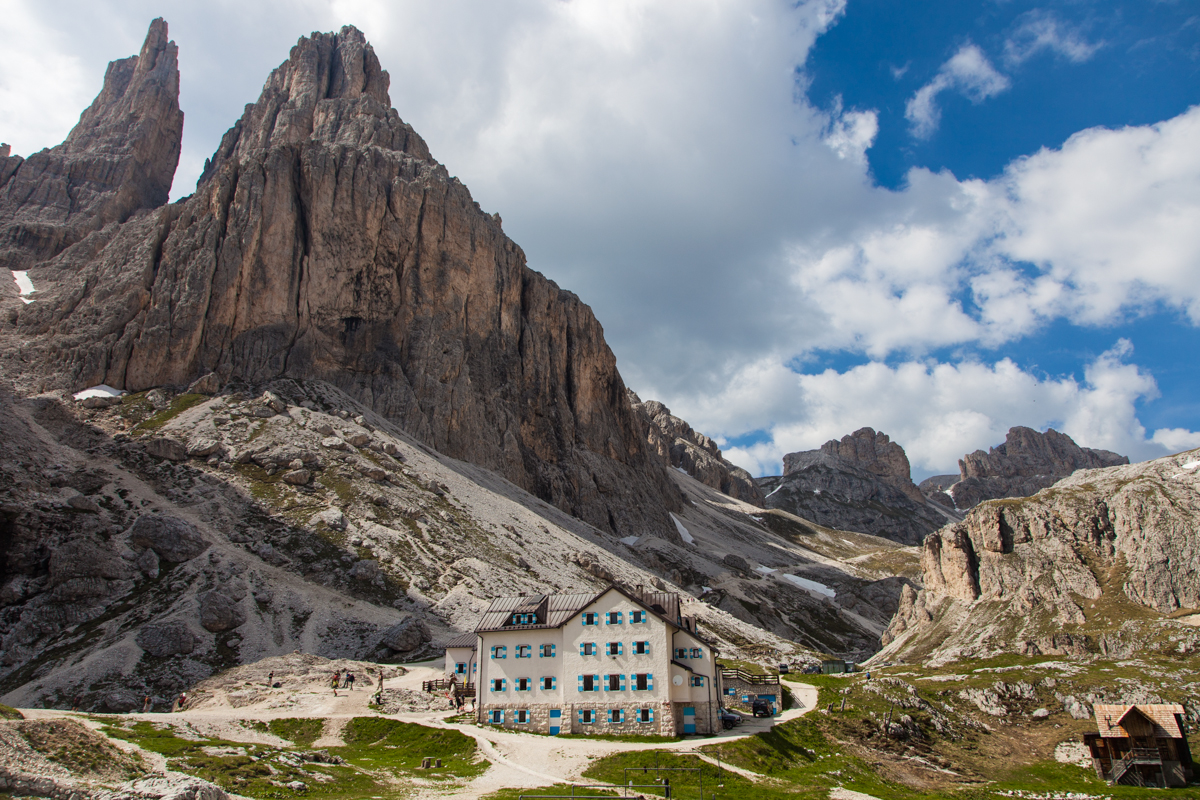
[(382, 758), (178, 405), (10, 713), (549, 791), (300, 732), (621, 737)]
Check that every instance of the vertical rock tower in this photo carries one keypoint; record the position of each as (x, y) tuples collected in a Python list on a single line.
[(325, 242)]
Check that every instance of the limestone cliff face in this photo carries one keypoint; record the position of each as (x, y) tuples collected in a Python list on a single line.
[(678, 445), (860, 483), (119, 159), (1061, 571), (1026, 462), (324, 242)]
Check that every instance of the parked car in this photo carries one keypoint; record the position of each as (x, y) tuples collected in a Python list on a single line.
[(761, 708), (729, 719), (784, 669)]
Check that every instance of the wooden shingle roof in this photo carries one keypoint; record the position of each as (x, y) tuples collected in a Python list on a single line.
[(1161, 715)]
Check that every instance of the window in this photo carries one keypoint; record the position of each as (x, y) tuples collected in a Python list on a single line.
[(498, 684), (616, 715), (614, 683), (587, 716), (547, 651), (645, 715), (613, 617), (460, 668), (643, 682), (497, 717), (697, 680), (589, 683), (731, 691), (697, 653), (549, 683), (523, 684), (587, 649), (499, 651), (524, 619), (615, 648), (681, 652), (591, 618), (637, 616), (524, 651), (522, 716), (641, 648)]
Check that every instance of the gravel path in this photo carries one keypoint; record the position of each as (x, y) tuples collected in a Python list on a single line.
[(518, 760)]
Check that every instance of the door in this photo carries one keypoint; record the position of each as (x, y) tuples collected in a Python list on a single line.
[(689, 719), (770, 698), (555, 721)]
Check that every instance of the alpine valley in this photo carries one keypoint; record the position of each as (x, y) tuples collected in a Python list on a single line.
[(319, 413)]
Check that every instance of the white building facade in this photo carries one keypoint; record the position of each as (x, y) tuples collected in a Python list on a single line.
[(621, 661)]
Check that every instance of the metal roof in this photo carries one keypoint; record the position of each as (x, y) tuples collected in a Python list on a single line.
[(558, 608), (1162, 715), (465, 640)]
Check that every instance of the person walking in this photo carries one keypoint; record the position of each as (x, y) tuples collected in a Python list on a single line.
[(270, 679), (146, 704), (350, 680), (75, 703), (334, 684)]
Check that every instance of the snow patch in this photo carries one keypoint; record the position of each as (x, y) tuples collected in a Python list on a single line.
[(630, 540), (816, 491), (24, 285), (763, 570), (681, 469), (683, 532), (776, 489), (103, 390), (813, 587), (1191, 465)]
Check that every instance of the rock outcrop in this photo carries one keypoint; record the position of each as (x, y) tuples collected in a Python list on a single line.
[(860, 483), (119, 159), (1027, 462), (324, 242), (1065, 571), (674, 441)]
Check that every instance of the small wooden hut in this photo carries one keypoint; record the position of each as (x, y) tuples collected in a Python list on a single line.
[(1141, 745)]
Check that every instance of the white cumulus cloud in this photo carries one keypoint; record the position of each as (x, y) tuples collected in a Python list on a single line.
[(1038, 31), (969, 72)]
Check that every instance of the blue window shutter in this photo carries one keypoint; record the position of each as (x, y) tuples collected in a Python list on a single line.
[(552, 647), (554, 683), (596, 682), (622, 683), (650, 682), (652, 715), (581, 683), (620, 648), (581, 647), (493, 651)]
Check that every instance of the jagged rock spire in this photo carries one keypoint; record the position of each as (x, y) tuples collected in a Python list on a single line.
[(119, 158)]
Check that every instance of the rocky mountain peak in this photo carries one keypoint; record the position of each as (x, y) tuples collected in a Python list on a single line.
[(332, 90), (323, 242), (120, 158), (1026, 462), (868, 450), (682, 447)]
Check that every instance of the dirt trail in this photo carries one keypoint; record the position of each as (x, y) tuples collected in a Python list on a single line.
[(518, 760)]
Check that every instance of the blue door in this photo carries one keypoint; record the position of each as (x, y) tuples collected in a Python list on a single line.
[(689, 720), (555, 721)]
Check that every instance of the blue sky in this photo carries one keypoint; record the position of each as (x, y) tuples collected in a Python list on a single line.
[(793, 219)]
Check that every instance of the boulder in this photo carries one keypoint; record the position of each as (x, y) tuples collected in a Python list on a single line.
[(120, 701), (202, 448), (297, 477), (371, 471), (220, 612), (359, 439), (172, 538), (147, 562), (274, 402), (734, 561), (365, 570), (406, 635), (206, 384), (334, 443), (168, 638), (169, 449), (332, 517), (80, 502)]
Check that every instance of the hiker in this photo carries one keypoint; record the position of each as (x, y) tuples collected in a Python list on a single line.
[(270, 678), (350, 680), (334, 684), (181, 703), (75, 703), (146, 704)]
